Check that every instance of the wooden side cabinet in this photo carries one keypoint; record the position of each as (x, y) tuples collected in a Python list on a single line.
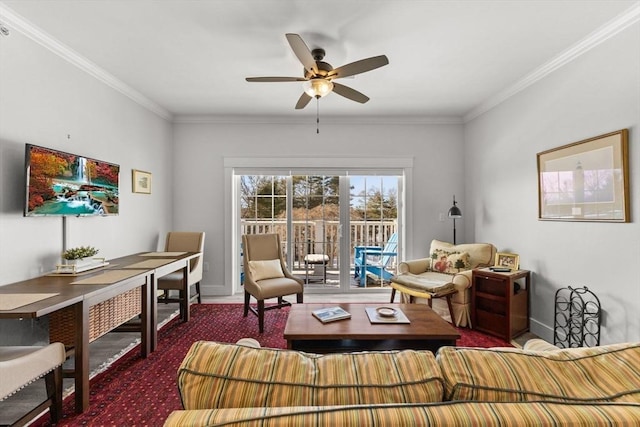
[(500, 302)]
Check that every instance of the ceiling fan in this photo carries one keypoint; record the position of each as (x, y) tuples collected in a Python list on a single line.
[(319, 76)]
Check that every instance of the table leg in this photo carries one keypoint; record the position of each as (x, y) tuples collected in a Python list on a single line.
[(153, 311), (187, 292), (81, 357), (145, 319)]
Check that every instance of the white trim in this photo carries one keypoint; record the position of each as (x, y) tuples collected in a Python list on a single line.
[(613, 27), (307, 119), (17, 22), (404, 165), (343, 162)]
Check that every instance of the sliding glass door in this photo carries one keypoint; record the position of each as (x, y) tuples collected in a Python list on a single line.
[(373, 217), (323, 220)]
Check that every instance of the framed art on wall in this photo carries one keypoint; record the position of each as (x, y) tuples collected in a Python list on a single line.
[(585, 181), (141, 181)]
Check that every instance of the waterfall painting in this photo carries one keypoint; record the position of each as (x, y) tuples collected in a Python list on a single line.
[(60, 183)]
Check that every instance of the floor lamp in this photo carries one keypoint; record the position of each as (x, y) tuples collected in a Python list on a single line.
[(454, 213)]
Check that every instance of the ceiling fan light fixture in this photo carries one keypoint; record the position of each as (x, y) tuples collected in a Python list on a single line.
[(317, 87)]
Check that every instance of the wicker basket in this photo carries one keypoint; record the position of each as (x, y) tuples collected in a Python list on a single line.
[(103, 317)]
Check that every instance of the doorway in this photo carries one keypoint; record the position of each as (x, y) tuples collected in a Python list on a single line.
[(322, 219)]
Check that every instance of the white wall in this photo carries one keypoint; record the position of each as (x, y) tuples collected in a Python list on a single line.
[(199, 185), (597, 93), (489, 163), (42, 100)]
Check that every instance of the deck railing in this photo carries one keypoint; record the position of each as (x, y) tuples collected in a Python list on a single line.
[(311, 237)]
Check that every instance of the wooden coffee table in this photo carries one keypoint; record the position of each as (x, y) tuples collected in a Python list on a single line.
[(427, 330)]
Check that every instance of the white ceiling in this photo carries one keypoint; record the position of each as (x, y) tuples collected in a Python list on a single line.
[(448, 59)]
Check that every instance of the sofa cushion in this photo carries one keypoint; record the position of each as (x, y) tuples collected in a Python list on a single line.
[(597, 374), (216, 375), (449, 262), (487, 414)]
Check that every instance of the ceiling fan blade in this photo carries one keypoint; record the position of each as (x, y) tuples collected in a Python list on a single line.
[(303, 53), (275, 79), (349, 93), (358, 67), (303, 101)]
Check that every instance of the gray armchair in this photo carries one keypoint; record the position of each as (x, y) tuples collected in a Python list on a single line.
[(266, 275)]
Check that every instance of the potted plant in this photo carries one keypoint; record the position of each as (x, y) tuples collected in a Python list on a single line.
[(78, 256)]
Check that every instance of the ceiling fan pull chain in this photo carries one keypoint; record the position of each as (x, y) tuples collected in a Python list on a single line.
[(318, 114)]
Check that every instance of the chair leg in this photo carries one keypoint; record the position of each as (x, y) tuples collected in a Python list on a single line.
[(261, 315), (165, 296), (393, 295), (53, 384), (299, 298), (450, 304), (184, 306), (247, 297), (198, 292)]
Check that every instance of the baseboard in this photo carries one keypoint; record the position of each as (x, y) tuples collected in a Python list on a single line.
[(542, 330), (208, 291)]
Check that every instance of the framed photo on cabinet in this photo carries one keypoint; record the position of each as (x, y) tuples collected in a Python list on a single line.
[(507, 260)]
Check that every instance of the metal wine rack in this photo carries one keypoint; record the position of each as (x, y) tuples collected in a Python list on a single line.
[(577, 318)]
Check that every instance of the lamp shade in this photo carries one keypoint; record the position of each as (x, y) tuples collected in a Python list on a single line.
[(317, 87), (454, 211)]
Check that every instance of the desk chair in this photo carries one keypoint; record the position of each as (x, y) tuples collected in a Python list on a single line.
[(20, 366), (266, 275), (183, 241)]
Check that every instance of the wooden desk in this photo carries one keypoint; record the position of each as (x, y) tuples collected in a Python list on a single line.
[(79, 298), (169, 265)]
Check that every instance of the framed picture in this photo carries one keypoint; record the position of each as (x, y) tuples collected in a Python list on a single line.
[(585, 181), (141, 181), (507, 260)]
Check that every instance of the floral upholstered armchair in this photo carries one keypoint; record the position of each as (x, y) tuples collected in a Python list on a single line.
[(447, 267)]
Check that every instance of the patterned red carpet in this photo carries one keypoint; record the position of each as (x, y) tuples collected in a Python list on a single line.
[(136, 391)]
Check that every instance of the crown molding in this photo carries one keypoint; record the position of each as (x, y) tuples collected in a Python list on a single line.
[(306, 120), (17, 22), (613, 27), (610, 29)]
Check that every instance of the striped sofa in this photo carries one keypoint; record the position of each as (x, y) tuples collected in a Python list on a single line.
[(234, 385)]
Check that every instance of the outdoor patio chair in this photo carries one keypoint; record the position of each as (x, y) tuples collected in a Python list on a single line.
[(266, 275), (183, 241), (372, 259), (21, 365)]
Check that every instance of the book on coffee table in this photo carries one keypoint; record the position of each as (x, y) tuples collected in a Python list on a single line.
[(330, 314), (379, 315)]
